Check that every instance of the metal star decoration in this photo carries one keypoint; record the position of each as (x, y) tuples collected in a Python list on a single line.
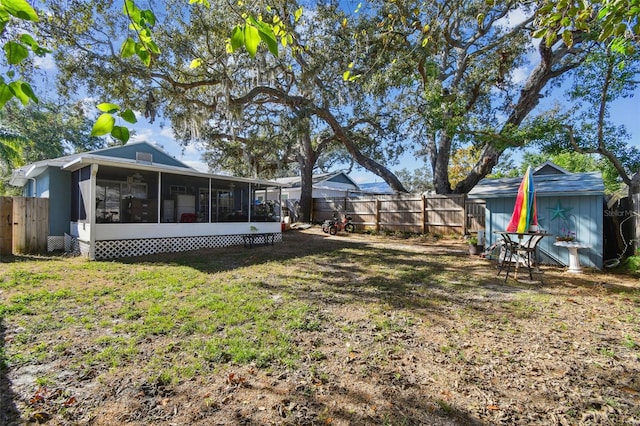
[(559, 211)]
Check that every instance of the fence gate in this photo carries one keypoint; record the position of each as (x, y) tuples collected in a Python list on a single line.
[(6, 226), (30, 224)]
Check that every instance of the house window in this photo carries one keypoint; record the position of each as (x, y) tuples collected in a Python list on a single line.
[(108, 201), (177, 189)]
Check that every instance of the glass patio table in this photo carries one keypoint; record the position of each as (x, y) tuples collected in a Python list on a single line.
[(520, 248)]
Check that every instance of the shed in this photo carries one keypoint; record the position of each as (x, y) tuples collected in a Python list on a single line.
[(566, 203)]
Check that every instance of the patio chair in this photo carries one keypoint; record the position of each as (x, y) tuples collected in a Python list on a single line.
[(516, 252)]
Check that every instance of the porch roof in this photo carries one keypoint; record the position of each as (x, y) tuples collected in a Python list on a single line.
[(88, 159)]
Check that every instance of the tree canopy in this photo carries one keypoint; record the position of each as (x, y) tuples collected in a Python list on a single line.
[(430, 78)]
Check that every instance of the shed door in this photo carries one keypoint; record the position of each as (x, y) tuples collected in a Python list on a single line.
[(6, 226)]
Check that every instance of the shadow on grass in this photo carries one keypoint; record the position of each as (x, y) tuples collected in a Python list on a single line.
[(9, 414), (21, 258), (346, 264)]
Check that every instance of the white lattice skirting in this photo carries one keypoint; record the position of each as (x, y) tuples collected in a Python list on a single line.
[(55, 243), (127, 248)]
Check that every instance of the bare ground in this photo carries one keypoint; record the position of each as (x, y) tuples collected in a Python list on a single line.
[(562, 352)]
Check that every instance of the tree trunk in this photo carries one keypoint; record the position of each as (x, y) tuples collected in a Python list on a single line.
[(306, 190), (441, 170), (307, 160), (366, 162), (529, 99)]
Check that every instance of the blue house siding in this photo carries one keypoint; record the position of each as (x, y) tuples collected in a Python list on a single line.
[(584, 216), (129, 152), (59, 196)]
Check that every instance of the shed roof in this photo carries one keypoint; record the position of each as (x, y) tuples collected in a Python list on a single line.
[(569, 184)]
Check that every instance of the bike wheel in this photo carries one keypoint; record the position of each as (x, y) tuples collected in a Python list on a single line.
[(333, 230), (325, 229), (349, 227)]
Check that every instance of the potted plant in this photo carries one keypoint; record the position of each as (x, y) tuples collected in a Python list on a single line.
[(474, 247), (566, 235)]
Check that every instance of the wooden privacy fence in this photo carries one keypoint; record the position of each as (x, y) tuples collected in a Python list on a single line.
[(24, 225), (435, 214)]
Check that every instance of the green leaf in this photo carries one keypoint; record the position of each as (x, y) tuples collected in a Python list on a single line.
[(297, 14), (271, 41), (128, 116), (121, 133), (128, 48), (103, 125), (237, 37), (251, 39), (143, 54), (603, 12), (17, 89), (196, 63), (109, 108), (20, 9), (267, 35), (27, 90), (153, 47), (346, 75), (540, 33), (28, 40), (15, 52), (148, 18), (5, 94)]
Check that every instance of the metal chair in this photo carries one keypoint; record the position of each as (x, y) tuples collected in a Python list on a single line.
[(518, 252)]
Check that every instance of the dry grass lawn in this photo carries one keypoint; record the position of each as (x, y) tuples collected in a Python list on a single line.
[(336, 330)]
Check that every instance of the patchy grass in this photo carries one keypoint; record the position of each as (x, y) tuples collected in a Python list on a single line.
[(316, 330)]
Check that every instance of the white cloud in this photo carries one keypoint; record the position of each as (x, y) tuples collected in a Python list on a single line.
[(143, 134), (44, 63), (513, 18), (520, 75), (198, 165), (167, 132)]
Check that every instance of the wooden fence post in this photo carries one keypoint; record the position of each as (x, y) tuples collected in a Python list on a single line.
[(465, 226), (377, 215), (424, 214), (6, 226)]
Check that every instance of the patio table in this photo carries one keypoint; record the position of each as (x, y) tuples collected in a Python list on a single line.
[(520, 247)]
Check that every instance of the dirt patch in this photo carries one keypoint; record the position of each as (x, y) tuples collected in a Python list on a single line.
[(402, 332)]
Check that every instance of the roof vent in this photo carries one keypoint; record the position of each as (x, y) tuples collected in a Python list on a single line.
[(144, 157)]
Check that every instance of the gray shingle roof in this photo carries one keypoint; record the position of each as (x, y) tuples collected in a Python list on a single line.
[(571, 184)]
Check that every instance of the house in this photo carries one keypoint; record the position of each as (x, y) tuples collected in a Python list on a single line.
[(136, 199), (376, 188), (566, 203), (325, 185)]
